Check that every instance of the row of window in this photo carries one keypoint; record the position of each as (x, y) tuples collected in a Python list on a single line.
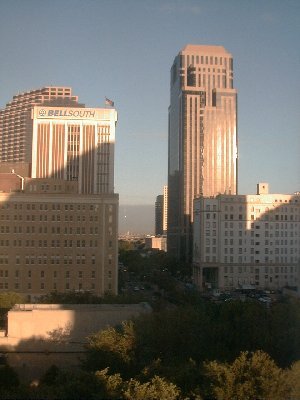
[(68, 230), (42, 274), (53, 243), (252, 242), (47, 207), (266, 270), (252, 259), (57, 217), (266, 259), (80, 286), (231, 282), (212, 60), (80, 259), (252, 234)]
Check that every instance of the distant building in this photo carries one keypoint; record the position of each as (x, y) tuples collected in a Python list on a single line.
[(202, 137), (161, 212), (159, 209), (58, 208), (165, 212), (247, 240), (156, 242)]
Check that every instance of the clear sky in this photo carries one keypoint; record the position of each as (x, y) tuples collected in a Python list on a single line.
[(124, 49)]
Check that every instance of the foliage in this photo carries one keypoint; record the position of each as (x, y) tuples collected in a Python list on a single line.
[(125, 245), (9, 299), (65, 385), (8, 378), (61, 334), (88, 298), (162, 354), (294, 380), (112, 347), (70, 298), (173, 343), (251, 376), (158, 388), (51, 376), (111, 385)]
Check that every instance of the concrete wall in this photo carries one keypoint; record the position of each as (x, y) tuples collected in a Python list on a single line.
[(26, 321), (40, 335)]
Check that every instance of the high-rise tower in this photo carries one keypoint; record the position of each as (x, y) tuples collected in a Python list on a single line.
[(60, 138), (202, 137), (16, 123)]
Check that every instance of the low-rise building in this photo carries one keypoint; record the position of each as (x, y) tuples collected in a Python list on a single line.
[(54, 239), (247, 240), (156, 242)]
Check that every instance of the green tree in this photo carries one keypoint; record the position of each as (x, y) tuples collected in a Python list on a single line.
[(51, 376), (251, 376), (9, 299), (158, 388), (112, 347), (111, 385), (8, 378), (294, 380)]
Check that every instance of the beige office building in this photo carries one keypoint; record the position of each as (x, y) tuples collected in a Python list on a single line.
[(54, 239), (63, 141), (59, 212), (247, 240), (202, 137), (75, 144)]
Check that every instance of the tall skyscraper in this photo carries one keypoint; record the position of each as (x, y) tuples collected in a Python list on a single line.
[(60, 138), (16, 122), (202, 137)]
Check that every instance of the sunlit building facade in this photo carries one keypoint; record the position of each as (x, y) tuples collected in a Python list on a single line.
[(202, 137), (165, 213), (54, 239), (247, 240), (58, 209), (16, 123), (60, 138), (75, 144)]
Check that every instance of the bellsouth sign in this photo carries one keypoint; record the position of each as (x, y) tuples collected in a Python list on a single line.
[(66, 112)]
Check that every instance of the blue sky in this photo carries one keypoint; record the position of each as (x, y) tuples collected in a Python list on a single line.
[(123, 49)]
